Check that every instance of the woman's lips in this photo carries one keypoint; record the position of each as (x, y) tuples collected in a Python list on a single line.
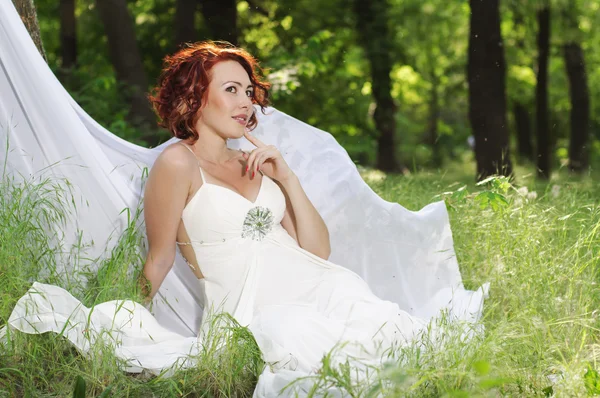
[(240, 120)]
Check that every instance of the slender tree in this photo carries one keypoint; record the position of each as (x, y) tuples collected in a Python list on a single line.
[(68, 34), (579, 93), (580, 107), (185, 15), (523, 129), (221, 18), (371, 19), (127, 62), (544, 160), (434, 116), (486, 71), (520, 109), (26, 10)]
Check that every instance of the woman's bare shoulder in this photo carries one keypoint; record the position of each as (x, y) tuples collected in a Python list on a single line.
[(174, 159), (171, 173)]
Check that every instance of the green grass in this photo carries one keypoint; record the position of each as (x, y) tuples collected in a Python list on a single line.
[(541, 254)]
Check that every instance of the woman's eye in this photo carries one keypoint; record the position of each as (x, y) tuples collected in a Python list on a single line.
[(231, 89), (250, 93)]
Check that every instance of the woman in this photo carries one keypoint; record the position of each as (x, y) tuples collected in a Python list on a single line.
[(249, 233), (243, 222), (204, 112)]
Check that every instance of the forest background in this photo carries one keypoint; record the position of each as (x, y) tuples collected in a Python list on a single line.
[(403, 85)]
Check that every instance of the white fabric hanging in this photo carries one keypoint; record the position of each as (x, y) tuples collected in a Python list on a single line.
[(406, 257)]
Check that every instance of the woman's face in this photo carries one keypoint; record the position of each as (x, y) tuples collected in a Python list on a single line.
[(228, 102)]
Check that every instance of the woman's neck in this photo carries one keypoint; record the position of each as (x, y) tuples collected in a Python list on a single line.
[(212, 149)]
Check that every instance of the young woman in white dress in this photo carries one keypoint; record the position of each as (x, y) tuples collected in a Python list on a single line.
[(255, 242), (222, 110), (245, 225)]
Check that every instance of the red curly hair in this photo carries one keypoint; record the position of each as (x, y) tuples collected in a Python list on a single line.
[(183, 84)]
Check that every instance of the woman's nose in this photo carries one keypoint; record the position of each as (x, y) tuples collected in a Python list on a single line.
[(246, 102)]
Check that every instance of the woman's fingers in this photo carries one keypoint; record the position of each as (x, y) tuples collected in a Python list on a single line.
[(258, 143), (259, 156), (261, 159), (251, 163)]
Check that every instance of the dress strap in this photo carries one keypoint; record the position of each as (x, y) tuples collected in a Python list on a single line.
[(197, 161)]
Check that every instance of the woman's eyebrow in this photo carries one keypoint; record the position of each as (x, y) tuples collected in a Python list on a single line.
[(238, 83)]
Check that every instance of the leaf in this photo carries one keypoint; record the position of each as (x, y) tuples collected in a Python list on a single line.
[(488, 384), (548, 391), (591, 379), (105, 392), (460, 194), (501, 184), (490, 199), (79, 390), (482, 367)]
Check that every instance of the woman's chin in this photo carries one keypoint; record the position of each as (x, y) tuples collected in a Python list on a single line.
[(239, 134), (232, 135)]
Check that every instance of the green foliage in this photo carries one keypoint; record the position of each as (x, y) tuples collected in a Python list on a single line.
[(592, 380), (540, 252), (117, 276), (79, 390), (229, 361), (321, 76), (539, 249)]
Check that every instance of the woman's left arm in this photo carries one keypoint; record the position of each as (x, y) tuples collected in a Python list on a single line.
[(301, 219)]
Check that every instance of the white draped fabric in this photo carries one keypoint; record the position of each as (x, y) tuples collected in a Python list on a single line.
[(405, 257)]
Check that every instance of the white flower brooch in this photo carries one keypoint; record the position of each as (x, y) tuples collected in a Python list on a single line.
[(258, 223)]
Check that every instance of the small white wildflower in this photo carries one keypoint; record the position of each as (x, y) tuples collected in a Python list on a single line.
[(518, 202), (555, 191), (523, 191), (554, 378), (532, 195), (374, 175), (556, 374), (537, 322)]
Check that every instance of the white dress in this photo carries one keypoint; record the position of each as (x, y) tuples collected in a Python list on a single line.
[(297, 305)]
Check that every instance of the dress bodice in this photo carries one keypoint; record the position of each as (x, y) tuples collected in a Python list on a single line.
[(217, 214), (229, 234)]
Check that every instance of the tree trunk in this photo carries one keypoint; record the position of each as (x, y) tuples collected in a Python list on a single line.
[(580, 107), (185, 15), (544, 160), (127, 62), (520, 109), (523, 127), (221, 18), (68, 34), (373, 32), (486, 71), (26, 10)]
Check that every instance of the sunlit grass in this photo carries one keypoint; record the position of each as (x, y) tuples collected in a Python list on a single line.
[(228, 363), (540, 252)]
